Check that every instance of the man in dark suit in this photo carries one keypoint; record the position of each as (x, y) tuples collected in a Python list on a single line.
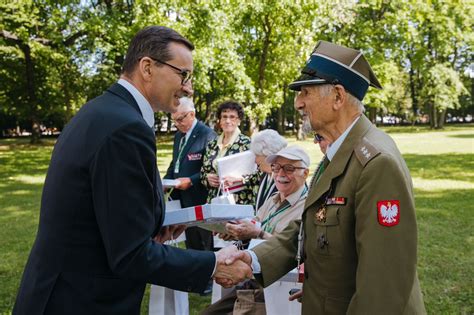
[(188, 150), (100, 238)]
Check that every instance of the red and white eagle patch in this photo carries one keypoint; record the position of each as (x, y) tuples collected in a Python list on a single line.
[(388, 212)]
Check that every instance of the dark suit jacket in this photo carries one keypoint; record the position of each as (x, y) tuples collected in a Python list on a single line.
[(190, 164), (102, 203)]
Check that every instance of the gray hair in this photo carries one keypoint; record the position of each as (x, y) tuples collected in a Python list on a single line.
[(325, 89), (186, 104), (267, 142)]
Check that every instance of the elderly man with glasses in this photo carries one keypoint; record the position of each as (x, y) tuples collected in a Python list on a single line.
[(358, 234), (290, 169), (188, 151)]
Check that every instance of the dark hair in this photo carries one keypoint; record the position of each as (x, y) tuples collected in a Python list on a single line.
[(230, 105), (152, 41)]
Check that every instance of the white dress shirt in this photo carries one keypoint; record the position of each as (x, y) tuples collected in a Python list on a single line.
[(143, 104)]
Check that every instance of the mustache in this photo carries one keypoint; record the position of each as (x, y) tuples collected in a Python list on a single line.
[(282, 179)]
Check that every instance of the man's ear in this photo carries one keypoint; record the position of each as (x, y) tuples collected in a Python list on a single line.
[(306, 173), (144, 68), (340, 96)]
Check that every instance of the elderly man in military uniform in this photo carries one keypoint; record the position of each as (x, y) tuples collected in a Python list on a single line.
[(358, 234)]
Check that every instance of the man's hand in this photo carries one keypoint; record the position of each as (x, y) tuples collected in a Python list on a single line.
[(184, 183), (233, 266), (169, 232), (226, 237), (243, 230), (296, 296), (213, 180)]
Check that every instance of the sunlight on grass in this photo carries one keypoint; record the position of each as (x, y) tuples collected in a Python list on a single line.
[(26, 179), (440, 162), (20, 192), (437, 184)]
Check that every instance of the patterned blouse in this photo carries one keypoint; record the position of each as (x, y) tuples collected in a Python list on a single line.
[(241, 144)]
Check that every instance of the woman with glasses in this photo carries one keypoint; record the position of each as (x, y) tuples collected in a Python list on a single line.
[(230, 141)]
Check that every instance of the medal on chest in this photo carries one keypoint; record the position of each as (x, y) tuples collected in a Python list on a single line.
[(321, 214)]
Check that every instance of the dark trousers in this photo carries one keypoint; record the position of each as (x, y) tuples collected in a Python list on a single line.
[(197, 238)]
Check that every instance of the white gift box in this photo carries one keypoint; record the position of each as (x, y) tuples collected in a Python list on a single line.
[(208, 213)]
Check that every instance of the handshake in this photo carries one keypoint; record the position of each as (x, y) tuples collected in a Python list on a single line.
[(232, 267)]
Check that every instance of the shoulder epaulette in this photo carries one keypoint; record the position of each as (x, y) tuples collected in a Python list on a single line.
[(365, 151)]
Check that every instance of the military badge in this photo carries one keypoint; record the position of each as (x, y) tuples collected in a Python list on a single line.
[(321, 214), (388, 212), (194, 156), (341, 201)]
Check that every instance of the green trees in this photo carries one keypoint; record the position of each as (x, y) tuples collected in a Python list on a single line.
[(56, 55)]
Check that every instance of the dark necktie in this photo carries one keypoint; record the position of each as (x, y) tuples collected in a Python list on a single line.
[(182, 143)]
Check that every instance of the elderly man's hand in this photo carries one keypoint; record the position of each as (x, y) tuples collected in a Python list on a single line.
[(184, 183), (243, 229), (226, 237), (233, 266)]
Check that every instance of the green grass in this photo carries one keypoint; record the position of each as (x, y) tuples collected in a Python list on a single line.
[(441, 164)]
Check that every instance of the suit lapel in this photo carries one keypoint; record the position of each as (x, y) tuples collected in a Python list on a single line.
[(338, 164)]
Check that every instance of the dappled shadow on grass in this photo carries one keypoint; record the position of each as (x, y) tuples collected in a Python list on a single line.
[(425, 128), (445, 250), (442, 166), (464, 136)]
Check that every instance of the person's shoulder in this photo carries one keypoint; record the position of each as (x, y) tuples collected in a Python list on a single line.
[(243, 138), (375, 144)]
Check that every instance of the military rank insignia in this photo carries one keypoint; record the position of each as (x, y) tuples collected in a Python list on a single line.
[(388, 212), (321, 214)]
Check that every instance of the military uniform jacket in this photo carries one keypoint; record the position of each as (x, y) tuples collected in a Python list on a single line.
[(359, 257)]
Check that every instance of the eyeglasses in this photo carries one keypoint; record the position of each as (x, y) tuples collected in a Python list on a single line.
[(180, 119), (287, 168), (230, 117), (186, 75)]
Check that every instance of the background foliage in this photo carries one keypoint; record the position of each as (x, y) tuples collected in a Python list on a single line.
[(55, 55)]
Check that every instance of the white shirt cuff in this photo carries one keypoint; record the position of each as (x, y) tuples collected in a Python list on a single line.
[(215, 265), (255, 264)]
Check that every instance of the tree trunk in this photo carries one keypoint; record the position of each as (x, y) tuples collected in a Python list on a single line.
[(373, 114), (433, 116), (31, 92), (414, 99), (300, 135), (280, 120), (441, 119)]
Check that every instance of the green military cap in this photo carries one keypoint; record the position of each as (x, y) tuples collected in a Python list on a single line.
[(335, 64)]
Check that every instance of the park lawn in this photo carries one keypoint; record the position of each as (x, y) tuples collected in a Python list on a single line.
[(441, 164)]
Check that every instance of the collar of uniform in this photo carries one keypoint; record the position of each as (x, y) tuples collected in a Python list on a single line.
[(332, 148), (292, 198), (190, 131), (143, 104)]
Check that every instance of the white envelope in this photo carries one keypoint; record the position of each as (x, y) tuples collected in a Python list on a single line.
[(169, 183), (236, 165)]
